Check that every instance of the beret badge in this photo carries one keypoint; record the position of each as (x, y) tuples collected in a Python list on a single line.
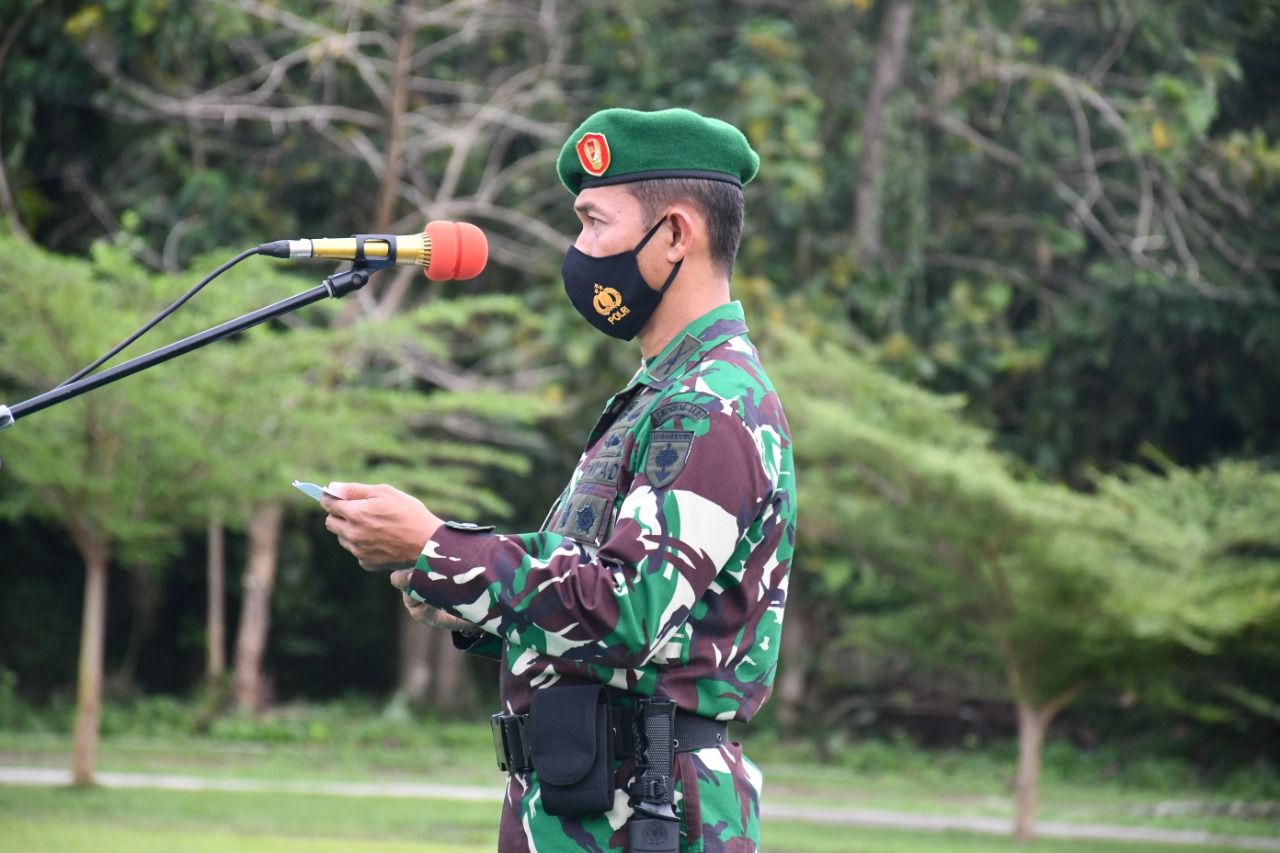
[(621, 146), (593, 153)]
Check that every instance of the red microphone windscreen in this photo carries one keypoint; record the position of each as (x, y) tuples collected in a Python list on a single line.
[(459, 250)]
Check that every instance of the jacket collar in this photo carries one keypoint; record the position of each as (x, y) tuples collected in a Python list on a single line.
[(688, 346)]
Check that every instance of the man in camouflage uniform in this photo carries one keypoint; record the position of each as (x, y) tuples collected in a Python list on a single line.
[(662, 568)]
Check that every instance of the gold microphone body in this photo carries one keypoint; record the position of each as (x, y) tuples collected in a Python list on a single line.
[(412, 249), (444, 250)]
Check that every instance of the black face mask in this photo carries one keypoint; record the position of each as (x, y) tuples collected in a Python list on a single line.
[(610, 292)]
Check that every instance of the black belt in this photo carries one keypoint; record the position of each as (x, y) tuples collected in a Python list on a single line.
[(513, 746)]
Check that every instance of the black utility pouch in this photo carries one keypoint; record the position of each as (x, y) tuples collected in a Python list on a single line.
[(573, 749)]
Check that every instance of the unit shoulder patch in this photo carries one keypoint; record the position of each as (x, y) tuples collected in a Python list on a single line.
[(686, 411), (668, 453)]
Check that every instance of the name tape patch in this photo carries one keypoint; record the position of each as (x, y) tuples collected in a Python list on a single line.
[(688, 411)]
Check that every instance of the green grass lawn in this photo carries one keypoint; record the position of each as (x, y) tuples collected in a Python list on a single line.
[(95, 820), (344, 743), (104, 819), (459, 754), (971, 792)]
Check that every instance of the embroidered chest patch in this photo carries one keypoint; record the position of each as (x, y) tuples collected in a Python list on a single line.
[(611, 444), (584, 515), (668, 453), (584, 519), (604, 470)]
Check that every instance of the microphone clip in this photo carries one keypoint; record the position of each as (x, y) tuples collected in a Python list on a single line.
[(361, 260), (349, 281)]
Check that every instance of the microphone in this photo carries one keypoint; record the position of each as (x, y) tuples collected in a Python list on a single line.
[(445, 250)]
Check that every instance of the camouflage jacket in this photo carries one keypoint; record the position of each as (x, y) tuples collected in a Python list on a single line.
[(662, 568)]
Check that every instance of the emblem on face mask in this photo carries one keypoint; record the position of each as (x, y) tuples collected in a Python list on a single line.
[(593, 153), (608, 303)]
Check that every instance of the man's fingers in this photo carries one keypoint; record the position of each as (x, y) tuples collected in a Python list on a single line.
[(417, 609), (340, 528), (352, 491), (400, 579), (333, 506)]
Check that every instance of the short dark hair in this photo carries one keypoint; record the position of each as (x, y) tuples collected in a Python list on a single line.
[(719, 201)]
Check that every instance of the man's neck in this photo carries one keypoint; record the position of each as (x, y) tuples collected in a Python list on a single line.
[(685, 302)]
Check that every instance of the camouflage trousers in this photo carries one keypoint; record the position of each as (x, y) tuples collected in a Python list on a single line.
[(717, 798)]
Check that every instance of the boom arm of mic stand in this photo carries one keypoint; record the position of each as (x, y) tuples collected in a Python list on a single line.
[(335, 286)]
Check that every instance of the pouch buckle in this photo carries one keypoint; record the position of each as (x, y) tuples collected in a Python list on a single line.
[(511, 742)]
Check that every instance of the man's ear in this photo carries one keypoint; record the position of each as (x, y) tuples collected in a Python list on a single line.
[(684, 223)]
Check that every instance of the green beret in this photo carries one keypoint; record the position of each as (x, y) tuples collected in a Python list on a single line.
[(618, 146)]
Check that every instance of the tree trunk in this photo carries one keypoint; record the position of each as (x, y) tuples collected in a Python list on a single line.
[(890, 55), (144, 600), (432, 671), (216, 611), (89, 683), (793, 673), (451, 692), (389, 182), (391, 291), (1033, 722), (415, 658), (7, 206), (255, 609)]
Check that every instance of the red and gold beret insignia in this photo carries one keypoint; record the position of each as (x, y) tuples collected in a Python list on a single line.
[(593, 153), (641, 146)]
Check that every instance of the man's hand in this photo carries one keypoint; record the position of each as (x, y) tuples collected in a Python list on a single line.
[(425, 612), (383, 527)]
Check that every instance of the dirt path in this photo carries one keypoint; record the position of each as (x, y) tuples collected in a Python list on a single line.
[(775, 811)]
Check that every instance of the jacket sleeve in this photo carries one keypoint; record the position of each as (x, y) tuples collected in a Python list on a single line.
[(694, 494)]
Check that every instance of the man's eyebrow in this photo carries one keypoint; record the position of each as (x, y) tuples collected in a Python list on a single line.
[(586, 208)]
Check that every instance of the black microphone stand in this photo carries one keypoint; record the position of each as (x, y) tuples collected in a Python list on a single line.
[(335, 286)]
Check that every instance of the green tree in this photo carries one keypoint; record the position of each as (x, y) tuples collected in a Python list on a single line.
[(125, 468), (1064, 213), (302, 399), (101, 468), (968, 564)]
